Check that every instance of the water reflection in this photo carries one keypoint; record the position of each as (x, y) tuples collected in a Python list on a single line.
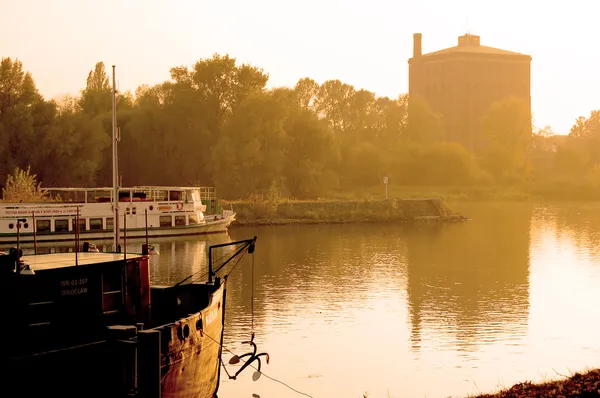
[(470, 282), (179, 257), (427, 310)]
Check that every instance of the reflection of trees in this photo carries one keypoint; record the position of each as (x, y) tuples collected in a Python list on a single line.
[(471, 278), (578, 222), (179, 256), (313, 270)]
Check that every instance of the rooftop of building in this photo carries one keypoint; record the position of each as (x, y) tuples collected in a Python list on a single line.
[(470, 44)]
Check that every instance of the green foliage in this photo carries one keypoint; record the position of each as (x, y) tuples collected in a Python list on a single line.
[(96, 97), (216, 123), (507, 127), (587, 127), (423, 125), (436, 164), (22, 186)]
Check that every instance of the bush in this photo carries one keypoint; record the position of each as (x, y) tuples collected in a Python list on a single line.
[(22, 186)]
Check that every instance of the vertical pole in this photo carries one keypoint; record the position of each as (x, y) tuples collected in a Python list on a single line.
[(77, 236), (120, 360), (34, 234), (18, 246), (146, 214), (125, 235), (210, 271), (115, 162), (149, 363)]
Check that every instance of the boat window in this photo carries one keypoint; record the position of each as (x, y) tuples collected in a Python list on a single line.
[(42, 225), (110, 223), (61, 225), (179, 220), (95, 223), (165, 221), (175, 195), (81, 224), (134, 210), (193, 219)]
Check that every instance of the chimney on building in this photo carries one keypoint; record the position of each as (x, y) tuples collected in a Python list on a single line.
[(417, 51)]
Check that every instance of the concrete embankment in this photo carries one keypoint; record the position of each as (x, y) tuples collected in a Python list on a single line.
[(336, 211)]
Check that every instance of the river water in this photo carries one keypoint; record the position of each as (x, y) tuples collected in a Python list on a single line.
[(426, 310)]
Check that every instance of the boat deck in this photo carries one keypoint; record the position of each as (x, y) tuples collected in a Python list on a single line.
[(62, 260)]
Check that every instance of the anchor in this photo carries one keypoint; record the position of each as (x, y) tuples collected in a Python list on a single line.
[(253, 357)]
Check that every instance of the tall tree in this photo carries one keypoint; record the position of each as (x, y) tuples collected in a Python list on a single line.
[(24, 116), (96, 97), (306, 91), (423, 125), (587, 127), (507, 127), (252, 147), (333, 104)]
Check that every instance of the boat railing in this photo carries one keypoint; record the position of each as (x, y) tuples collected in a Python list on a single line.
[(161, 193), (152, 193)]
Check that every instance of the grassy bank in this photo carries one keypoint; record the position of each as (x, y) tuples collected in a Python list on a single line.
[(265, 211), (585, 384), (405, 203), (556, 191)]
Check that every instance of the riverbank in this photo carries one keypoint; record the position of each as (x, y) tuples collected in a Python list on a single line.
[(585, 384), (271, 212), (524, 191), (405, 203)]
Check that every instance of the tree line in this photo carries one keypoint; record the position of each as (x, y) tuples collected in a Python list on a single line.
[(216, 124)]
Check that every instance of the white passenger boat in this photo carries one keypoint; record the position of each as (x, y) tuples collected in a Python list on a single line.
[(89, 213)]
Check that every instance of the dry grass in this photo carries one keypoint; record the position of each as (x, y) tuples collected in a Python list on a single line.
[(581, 385), (585, 384)]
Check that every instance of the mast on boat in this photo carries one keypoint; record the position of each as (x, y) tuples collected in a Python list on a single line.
[(115, 163)]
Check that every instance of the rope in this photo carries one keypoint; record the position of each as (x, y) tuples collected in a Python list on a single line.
[(252, 298), (255, 368), (195, 275)]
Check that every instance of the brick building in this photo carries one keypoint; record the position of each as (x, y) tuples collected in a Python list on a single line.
[(462, 82)]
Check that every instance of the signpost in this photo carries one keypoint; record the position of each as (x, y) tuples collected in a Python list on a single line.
[(385, 182)]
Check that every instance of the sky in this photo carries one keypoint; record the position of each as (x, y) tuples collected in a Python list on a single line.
[(363, 43)]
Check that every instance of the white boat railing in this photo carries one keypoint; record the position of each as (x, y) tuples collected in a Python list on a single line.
[(152, 192)]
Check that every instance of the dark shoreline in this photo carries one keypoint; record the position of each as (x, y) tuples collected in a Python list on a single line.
[(586, 384), (295, 221)]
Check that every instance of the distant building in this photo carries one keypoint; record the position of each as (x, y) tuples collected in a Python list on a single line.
[(462, 82)]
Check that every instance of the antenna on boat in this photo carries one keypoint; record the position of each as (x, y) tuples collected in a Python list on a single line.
[(115, 163)]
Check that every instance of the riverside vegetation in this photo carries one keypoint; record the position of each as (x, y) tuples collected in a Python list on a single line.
[(272, 153), (217, 124)]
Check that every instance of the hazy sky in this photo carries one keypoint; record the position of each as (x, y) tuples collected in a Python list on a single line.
[(364, 43)]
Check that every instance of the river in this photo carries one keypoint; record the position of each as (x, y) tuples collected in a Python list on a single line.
[(398, 310)]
